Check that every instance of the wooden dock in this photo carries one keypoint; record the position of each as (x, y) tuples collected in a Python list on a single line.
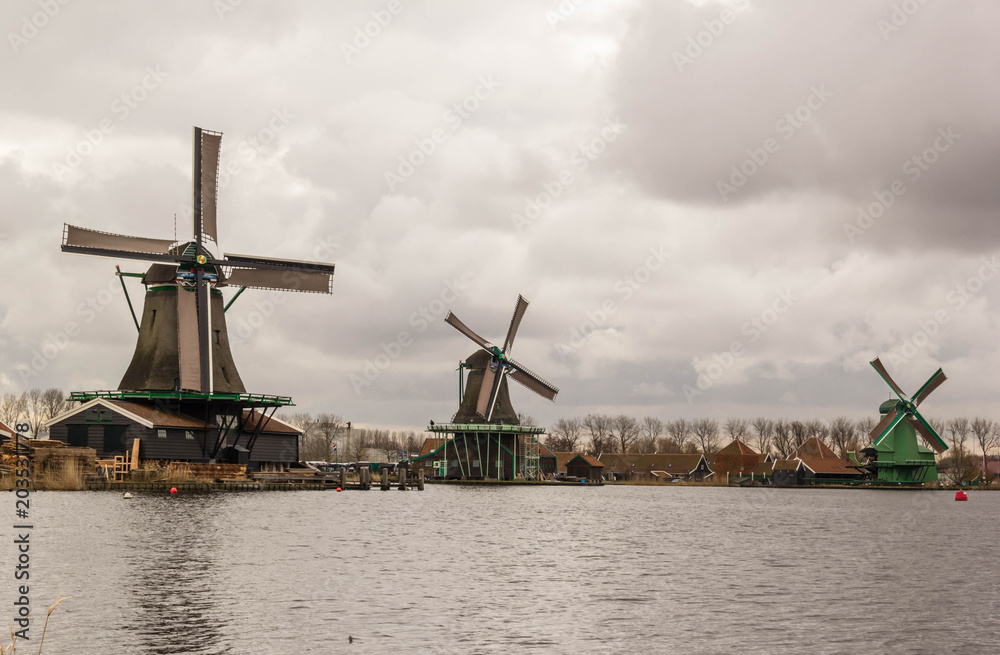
[(269, 482)]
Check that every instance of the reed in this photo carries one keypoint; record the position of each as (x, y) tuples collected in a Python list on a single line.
[(12, 648)]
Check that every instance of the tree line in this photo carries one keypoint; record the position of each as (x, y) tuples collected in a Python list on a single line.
[(327, 437), (601, 433), (33, 407)]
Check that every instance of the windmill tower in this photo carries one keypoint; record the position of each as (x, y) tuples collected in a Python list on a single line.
[(895, 455), (485, 439), (182, 360)]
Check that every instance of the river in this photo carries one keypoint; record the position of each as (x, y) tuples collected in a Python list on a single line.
[(616, 569)]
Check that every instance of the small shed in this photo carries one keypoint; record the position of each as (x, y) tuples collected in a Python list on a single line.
[(585, 467)]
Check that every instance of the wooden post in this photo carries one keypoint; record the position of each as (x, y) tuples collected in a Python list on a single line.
[(385, 479), (420, 480), (402, 480), (343, 478)]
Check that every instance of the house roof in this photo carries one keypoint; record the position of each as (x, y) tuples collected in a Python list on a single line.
[(813, 448), (145, 415), (669, 462), (737, 447), (271, 424), (5, 431), (786, 464), (562, 458), (587, 459), (430, 445), (543, 451), (829, 466)]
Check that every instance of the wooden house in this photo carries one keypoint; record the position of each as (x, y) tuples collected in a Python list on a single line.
[(813, 462), (111, 426), (661, 466), (585, 467)]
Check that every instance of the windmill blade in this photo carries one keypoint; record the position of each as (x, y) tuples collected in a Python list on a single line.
[(515, 320), (202, 291), (92, 242), (187, 339), (207, 145), (281, 280), (452, 320), (485, 389), (235, 261), (933, 383), (886, 425), (929, 434), (877, 365), (494, 392), (520, 374)]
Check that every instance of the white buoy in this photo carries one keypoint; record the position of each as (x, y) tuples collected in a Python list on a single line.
[(127, 495)]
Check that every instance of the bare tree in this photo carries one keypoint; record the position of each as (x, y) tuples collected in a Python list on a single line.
[(526, 420), (625, 431), (763, 429), (784, 441), (34, 410), (598, 428), (650, 430), (12, 407), (960, 459), (706, 432), (53, 403), (679, 431), (737, 428), (842, 434), (329, 428), (564, 435), (800, 432), (818, 429), (984, 431), (864, 427)]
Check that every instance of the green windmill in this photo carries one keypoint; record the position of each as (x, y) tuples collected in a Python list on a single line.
[(896, 456)]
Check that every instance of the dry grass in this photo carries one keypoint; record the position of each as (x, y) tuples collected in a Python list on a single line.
[(11, 649), (61, 476)]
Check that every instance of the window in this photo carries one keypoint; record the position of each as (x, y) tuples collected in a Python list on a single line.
[(77, 436), (217, 337), (114, 439), (189, 435), (152, 321), (161, 433)]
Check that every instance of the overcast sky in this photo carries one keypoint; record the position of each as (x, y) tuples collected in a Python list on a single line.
[(715, 208)]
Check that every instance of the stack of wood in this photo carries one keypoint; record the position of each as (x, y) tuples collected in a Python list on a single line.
[(45, 455), (216, 472)]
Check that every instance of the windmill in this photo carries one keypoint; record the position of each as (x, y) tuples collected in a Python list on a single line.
[(181, 392), (176, 349), (496, 365), (895, 455)]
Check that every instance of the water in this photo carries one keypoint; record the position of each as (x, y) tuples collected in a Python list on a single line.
[(516, 570)]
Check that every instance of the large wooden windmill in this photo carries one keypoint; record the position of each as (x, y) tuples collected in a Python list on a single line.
[(182, 361), (484, 439), (895, 454)]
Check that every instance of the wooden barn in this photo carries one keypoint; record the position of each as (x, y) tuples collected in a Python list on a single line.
[(585, 467), (661, 466), (110, 427), (813, 462)]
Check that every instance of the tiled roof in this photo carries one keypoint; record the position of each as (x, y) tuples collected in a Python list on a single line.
[(670, 462), (270, 424), (431, 444), (812, 448), (588, 459), (786, 464), (159, 418), (829, 466)]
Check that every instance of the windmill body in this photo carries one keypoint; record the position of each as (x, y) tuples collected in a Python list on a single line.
[(896, 454), (484, 439), (182, 394)]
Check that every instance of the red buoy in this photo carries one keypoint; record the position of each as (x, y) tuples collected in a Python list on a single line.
[(961, 495), (338, 488), (173, 490)]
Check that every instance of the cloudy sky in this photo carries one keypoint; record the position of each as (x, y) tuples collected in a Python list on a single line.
[(716, 208)]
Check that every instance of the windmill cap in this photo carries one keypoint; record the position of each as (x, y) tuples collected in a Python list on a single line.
[(886, 406)]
